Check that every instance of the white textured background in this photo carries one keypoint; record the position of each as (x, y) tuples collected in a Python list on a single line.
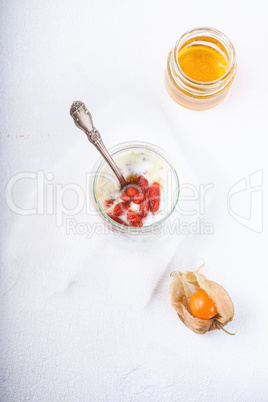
[(61, 347)]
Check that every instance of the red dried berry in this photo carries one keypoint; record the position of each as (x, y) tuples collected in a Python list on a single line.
[(125, 197), (118, 220), (134, 219), (154, 197), (144, 206), (138, 198), (143, 184), (120, 208), (108, 203), (131, 191)]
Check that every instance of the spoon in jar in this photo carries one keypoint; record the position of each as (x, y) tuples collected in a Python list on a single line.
[(83, 120)]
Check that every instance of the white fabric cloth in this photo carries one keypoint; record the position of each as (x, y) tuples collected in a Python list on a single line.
[(39, 249)]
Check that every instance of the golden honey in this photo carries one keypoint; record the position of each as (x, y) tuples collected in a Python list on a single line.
[(202, 63), (200, 69)]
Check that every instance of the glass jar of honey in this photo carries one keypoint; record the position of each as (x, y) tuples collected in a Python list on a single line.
[(200, 69)]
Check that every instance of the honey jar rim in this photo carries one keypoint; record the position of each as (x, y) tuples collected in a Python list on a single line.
[(206, 32)]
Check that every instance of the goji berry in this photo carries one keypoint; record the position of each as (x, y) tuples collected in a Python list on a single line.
[(154, 197), (118, 220), (134, 219), (125, 197), (109, 202), (120, 208), (137, 199), (143, 184), (144, 206), (131, 191)]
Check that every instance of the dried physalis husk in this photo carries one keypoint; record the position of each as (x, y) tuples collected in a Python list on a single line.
[(184, 285)]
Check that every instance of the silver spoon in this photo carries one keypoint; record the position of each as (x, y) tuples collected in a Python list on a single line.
[(83, 120)]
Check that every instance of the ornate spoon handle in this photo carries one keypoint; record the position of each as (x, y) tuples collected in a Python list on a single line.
[(83, 120)]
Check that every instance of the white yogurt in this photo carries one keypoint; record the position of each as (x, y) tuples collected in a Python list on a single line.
[(143, 163)]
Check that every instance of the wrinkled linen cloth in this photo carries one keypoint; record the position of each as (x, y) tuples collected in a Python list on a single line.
[(51, 250)]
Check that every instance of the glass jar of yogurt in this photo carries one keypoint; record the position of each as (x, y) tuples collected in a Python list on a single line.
[(135, 159)]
